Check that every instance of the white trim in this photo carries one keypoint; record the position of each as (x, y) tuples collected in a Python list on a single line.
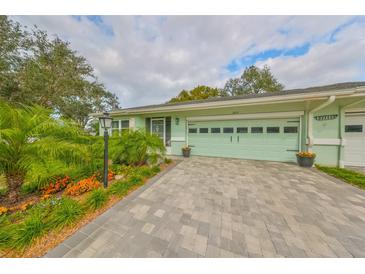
[(310, 138), (319, 95), (327, 141), (289, 114), (177, 139)]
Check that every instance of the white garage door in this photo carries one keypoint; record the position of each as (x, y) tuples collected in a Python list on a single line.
[(355, 140), (265, 139)]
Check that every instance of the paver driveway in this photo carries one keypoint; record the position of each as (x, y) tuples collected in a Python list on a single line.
[(214, 207)]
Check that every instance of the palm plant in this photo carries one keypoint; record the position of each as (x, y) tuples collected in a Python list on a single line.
[(136, 147), (29, 135)]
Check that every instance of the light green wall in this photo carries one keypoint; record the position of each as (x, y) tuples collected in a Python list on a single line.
[(331, 129)]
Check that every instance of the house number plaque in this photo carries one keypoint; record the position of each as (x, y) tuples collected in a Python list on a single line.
[(326, 117)]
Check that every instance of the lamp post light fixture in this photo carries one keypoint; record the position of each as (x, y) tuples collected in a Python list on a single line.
[(106, 124)]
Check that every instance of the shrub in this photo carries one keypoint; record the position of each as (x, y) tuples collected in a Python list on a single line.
[(26, 232), (135, 179), (120, 188), (136, 147), (155, 169), (66, 212), (6, 232), (145, 171), (96, 199), (167, 161), (82, 186)]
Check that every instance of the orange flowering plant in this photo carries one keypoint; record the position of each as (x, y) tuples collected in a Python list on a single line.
[(3, 210), (60, 184), (82, 186), (306, 154)]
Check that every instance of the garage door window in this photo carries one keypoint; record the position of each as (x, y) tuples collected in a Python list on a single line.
[(242, 130), (256, 130), (193, 130), (215, 130), (290, 129), (273, 129), (353, 128), (228, 130), (203, 130)]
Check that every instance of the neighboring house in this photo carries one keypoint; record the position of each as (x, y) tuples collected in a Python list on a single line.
[(328, 120)]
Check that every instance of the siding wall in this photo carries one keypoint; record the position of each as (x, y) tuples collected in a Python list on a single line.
[(331, 129)]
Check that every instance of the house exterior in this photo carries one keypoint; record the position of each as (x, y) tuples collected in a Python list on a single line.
[(328, 120)]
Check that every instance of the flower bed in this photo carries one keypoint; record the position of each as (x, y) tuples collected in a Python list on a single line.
[(35, 227)]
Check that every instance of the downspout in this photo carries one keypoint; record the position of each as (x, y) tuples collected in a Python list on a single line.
[(343, 141), (330, 100)]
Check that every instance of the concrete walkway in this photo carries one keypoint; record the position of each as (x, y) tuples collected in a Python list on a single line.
[(214, 207)]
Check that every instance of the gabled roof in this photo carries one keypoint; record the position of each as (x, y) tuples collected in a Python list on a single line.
[(234, 100)]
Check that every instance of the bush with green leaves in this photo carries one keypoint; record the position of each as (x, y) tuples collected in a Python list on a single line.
[(96, 199), (65, 213), (120, 188), (32, 139), (136, 147), (26, 232)]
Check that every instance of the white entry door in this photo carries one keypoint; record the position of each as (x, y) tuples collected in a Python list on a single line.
[(355, 140), (158, 128)]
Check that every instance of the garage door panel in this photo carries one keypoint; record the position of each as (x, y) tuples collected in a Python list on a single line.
[(246, 145), (355, 140)]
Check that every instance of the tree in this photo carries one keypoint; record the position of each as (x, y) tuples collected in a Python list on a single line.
[(198, 93), (52, 75), (253, 81), (30, 135)]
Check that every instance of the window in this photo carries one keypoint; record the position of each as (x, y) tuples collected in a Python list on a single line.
[(290, 129), (193, 130), (273, 129), (353, 128), (257, 130), (203, 130), (242, 130), (215, 130), (228, 130), (125, 125)]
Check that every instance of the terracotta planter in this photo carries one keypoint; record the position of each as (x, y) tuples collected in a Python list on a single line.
[(186, 152), (305, 161)]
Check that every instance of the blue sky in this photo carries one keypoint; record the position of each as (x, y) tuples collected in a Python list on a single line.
[(149, 59)]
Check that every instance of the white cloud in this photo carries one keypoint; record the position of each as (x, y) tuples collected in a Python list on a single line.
[(150, 59)]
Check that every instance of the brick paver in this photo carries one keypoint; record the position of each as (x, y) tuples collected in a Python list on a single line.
[(215, 207)]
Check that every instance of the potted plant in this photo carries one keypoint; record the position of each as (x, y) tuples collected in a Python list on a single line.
[(186, 151), (305, 158)]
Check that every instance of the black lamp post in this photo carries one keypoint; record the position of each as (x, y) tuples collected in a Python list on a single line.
[(106, 123)]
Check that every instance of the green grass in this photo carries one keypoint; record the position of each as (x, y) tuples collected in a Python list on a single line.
[(349, 176), (96, 199)]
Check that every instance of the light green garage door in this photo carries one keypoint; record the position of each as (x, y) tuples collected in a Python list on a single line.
[(274, 139)]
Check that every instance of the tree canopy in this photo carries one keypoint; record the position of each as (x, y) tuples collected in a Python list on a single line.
[(37, 69), (252, 81), (197, 93)]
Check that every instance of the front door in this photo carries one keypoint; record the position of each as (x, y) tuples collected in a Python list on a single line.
[(158, 128)]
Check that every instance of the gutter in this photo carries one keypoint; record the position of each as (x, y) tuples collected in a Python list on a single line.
[(329, 101)]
